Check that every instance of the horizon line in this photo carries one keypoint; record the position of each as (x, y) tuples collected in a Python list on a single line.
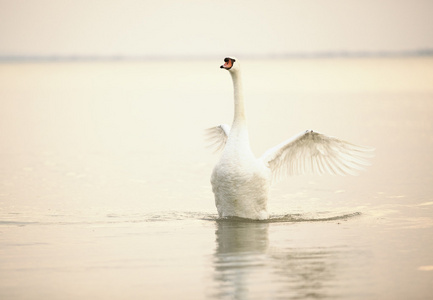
[(289, 55)]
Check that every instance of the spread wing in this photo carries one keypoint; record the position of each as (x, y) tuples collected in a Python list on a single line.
[(317, 153), (217, 136)]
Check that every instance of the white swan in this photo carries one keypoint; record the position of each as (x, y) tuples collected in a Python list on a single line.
[(241, 182)]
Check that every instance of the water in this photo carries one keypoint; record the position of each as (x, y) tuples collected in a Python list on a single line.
[(105, 189)]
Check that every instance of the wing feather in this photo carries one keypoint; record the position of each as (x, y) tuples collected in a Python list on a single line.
[(314, 152), (216, 137)]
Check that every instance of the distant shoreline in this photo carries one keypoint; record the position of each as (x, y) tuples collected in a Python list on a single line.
[(304, 55)]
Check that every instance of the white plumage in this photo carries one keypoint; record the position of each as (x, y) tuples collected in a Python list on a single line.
[(241, 182)]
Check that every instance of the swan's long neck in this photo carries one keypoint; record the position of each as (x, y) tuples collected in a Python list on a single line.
[(238, 143), (240, 116)]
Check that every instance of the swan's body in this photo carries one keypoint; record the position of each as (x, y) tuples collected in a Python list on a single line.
[(241, 182)]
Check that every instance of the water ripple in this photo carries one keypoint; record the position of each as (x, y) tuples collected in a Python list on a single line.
[(77, 218)]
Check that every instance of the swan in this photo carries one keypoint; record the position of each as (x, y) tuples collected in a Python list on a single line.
[(241, 182)]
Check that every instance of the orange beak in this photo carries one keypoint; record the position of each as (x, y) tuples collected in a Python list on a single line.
[(228, 63)]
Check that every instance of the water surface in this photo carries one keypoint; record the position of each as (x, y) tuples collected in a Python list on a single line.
[(104, 184)]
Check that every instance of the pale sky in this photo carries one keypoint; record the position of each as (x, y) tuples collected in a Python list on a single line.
[(206, 28)]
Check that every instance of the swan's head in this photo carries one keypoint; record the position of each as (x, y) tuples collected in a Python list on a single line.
[(231, 64)]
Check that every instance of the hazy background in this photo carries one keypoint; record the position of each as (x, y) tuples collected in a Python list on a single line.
[(205, 28), (104, 173)]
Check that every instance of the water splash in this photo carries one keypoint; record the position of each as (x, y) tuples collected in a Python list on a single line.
[(296, 218), (32, 218)]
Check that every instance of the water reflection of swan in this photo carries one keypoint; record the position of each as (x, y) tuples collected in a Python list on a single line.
[(240, 253), (247, 266), (241, 182)]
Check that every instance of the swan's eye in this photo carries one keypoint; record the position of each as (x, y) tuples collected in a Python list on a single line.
[(226, 59)]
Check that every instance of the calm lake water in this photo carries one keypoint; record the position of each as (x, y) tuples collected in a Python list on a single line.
[(105, 193)]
